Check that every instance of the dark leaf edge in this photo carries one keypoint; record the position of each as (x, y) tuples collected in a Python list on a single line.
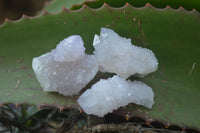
[(73, 7), (84, 5)]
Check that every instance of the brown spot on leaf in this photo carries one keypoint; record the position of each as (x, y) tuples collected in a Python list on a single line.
[(40, 106), (30, 75), (85, 18), (127, 17), (186, 115), (75, 24), (93, 13), (34, 88), (18, 69), (1, 59), (160, 107), (162, 73), (109, 10), (164, 81), (20, 61)]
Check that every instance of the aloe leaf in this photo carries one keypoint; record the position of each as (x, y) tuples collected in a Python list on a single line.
[(173, 35)]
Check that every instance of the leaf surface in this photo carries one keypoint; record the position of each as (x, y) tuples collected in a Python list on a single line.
[(173, 35)]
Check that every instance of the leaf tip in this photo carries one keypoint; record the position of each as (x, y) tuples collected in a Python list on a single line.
[(195, 11), (148, 5), (85, 6), (127, 4), (106, 5), (180, 8), (45, 12), (25, 16), (7, 20), (65, 9), (168, 7)]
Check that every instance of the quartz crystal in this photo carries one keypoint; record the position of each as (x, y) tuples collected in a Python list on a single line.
[(66, 69), (69, 49), (110, 94), (116, 54)]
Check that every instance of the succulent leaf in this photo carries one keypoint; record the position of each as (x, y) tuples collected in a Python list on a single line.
[(173, 35)]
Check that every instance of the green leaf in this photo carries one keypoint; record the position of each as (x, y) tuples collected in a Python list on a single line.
[(173, 36)]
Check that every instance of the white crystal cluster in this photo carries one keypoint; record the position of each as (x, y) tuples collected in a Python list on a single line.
[(67, 69), (117, 55), (110, 94)]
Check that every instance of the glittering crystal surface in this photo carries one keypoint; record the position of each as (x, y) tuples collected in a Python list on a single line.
[(69, 49), (67, 69), (116, 54), (108, 95)]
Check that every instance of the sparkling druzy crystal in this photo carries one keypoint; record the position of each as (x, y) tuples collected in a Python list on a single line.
[(116, 54), (69, 49), (110, 94), (66, 69)]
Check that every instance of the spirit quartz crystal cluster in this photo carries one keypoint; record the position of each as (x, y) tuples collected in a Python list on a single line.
[(115, 92), (117, 55), (67, 69)]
